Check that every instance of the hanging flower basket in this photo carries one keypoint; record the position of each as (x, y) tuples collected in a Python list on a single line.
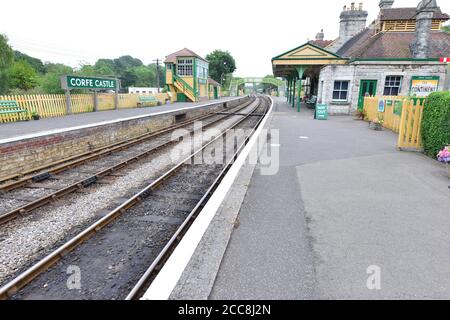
[(444, 156)]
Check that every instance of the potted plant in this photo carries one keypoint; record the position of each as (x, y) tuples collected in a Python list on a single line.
[(360, 114), (444, 156), (377, 123), (35, 115)]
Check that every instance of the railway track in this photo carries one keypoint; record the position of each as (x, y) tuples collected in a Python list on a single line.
[(141, 231), (29, 193)]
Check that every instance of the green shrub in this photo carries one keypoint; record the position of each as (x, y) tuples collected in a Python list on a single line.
[(436, 123)]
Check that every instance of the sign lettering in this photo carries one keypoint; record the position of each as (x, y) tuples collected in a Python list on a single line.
[(76, 82), (423, 86), (321, 112)]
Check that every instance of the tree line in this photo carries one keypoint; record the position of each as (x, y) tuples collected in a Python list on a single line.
[(23, 74)]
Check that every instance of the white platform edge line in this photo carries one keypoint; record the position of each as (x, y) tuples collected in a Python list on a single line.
[(170, 274), (97, 124)]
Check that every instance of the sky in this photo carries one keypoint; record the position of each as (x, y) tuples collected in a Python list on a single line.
[(253, 31)]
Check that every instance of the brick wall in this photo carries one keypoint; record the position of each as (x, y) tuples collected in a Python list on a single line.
[(28, 154)]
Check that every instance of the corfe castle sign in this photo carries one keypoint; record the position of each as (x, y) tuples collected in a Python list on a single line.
[(75, 82), (91, 83)]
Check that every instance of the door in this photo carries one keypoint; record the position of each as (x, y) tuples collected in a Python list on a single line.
[(216, 94), (367, 88)]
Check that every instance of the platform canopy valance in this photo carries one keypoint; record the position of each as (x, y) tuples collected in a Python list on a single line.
[(305, 57)]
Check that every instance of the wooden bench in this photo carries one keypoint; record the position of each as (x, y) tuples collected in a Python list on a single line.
[(11, 107), (148, 100)]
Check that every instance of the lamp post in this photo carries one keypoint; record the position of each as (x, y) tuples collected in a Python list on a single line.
[(223, 73)]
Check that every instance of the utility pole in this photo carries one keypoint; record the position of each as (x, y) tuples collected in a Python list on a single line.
[(157, 73)]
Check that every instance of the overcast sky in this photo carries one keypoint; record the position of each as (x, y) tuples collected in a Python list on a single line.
[(254, 31)]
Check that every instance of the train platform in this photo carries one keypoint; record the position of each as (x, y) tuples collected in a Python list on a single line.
[(344, 203), (28, 129)]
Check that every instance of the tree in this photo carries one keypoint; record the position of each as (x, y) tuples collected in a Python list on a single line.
[(145, 76), (87, 70), (105, 67), (6, 61), (50, 82), (22, 76), (446, 28), (221, 63), (36, 63), (126, 62), (162, 75)]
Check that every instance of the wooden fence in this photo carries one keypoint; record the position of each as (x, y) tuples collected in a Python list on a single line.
[(54, 105), (410, 135), (402, 115)]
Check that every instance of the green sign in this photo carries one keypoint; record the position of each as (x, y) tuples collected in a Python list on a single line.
[(389, 103), (75, 82), (398, 105), (321, 112)]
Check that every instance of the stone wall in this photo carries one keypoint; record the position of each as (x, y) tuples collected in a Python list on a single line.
[(358, 71), (28, 154)]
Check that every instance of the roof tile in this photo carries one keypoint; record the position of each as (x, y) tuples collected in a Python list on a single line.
[(172, 58)]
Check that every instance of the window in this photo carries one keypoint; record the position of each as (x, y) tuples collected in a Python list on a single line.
[(185, 67), (393, 85), (340, 91)]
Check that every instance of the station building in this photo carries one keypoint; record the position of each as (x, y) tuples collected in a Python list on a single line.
[(187, 77), (397, 54)]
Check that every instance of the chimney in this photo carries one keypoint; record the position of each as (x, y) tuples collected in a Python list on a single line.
[(320, 36), (424, 17), (353, 21), (386, 4)]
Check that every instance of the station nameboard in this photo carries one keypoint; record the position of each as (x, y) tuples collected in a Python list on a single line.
[(79, 82), (423, 86)]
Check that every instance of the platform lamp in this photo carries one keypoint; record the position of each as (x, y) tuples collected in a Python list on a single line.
[(223, 73)]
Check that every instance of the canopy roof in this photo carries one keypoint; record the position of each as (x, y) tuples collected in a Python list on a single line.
[(305, 56)]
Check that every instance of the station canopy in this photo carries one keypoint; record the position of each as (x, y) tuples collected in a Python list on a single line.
[(305, 60)]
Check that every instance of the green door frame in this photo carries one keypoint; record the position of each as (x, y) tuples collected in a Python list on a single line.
[(216, 93), (362, 94)]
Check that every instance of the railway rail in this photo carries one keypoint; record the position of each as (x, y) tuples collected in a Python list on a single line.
[(144, 228), (29, 193)]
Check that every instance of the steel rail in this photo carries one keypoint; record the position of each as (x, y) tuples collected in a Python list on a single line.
[(176, 238), (71, 162), (40, 267), (14, 213)]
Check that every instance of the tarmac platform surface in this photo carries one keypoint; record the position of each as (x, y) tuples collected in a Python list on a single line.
[(344, 201), (27, 128)]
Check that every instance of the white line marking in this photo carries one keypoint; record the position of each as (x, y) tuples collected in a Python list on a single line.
[(304, 138), (170, 274)]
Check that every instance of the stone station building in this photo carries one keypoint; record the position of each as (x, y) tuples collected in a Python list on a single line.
[(397, 54)]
